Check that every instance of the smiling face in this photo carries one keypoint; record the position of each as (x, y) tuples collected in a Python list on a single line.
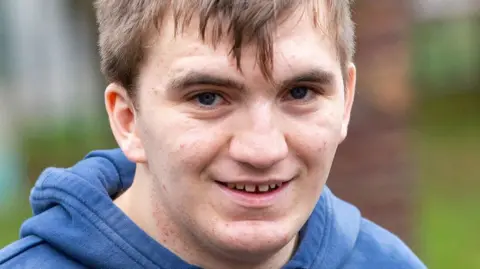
[(234, 163)]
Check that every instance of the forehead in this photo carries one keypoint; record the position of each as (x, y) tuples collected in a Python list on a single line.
[(297, 45)]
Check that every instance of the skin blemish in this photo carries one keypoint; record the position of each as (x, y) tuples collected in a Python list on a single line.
[(323, 147)]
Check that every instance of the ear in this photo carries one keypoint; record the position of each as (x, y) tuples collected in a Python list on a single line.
[(123, 122), (350, 84)]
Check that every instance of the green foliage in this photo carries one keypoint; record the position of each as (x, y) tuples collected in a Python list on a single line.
[(12, 217), (446, 56), (446, 65), (63, 144), (60, 144), (448, 152)]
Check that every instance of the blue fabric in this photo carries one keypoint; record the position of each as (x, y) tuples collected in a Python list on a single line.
[(76, 225)]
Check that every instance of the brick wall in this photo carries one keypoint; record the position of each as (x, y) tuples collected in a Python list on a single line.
[(373, 168)]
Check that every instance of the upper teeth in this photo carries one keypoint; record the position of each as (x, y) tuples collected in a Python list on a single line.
[(254, 187)]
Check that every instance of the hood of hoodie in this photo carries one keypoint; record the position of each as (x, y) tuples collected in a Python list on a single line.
[(74, 213)]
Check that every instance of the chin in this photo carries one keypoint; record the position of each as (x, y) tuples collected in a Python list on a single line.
[(255, 237)]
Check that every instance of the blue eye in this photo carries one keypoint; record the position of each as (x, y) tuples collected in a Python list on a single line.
[(208, 98), (299, 92)]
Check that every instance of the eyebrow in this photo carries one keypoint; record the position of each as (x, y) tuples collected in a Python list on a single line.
[(315, 76), (195, 78)]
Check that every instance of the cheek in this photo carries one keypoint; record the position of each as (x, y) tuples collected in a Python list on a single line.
[(315, 140), (195, 148), (181, 146)]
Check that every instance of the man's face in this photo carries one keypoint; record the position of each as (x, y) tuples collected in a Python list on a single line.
[(235, 160)]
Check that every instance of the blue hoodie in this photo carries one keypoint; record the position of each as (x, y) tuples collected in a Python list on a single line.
[(76, 225)]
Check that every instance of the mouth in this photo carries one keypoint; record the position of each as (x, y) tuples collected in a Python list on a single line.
[(255, 195), (253, 188)]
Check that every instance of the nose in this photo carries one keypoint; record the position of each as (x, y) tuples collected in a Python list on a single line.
[(260, 145)]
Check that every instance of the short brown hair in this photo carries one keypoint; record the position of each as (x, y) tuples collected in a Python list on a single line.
[(125, 27)]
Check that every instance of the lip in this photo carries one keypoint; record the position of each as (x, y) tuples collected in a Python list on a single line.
[(255, 200)]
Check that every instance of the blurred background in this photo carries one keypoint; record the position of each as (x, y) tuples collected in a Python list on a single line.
[(411, 161)]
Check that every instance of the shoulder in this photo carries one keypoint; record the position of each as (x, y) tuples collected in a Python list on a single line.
[(33, 252), (378, 248)]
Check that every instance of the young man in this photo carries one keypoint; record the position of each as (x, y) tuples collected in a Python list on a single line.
[(228, 115)]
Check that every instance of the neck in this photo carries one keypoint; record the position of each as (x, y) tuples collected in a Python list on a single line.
[(141, 203)]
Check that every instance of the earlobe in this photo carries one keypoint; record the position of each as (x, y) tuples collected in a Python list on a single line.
[(350, 86), (123, 122)]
